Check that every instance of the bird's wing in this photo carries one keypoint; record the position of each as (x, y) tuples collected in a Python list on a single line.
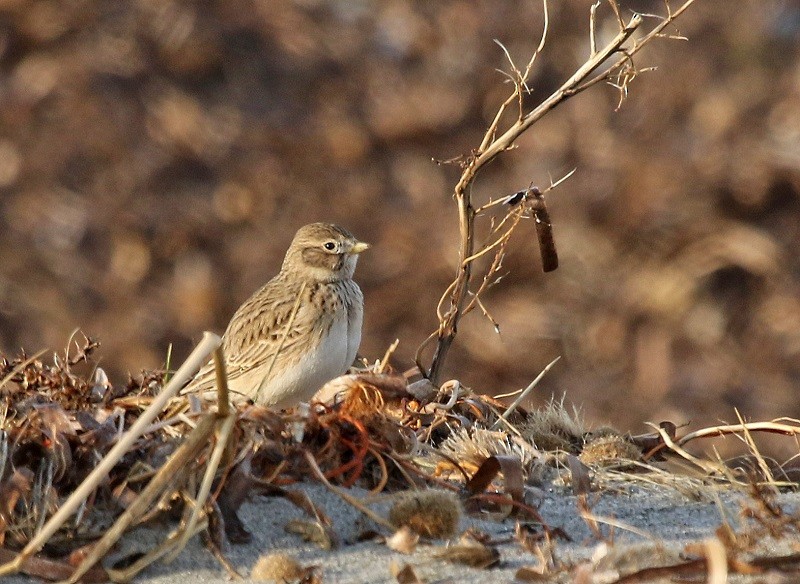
[(269, 326)]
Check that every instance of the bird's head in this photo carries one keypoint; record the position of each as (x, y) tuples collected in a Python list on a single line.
[(323, 252)]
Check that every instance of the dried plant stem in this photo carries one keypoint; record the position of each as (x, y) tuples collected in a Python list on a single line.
[(525, 393), (618, 72), (223, 393), (225, 429), (591, 518), (195, 360), (383, 363), (196, 441), (128, 573), (716, 560), (345, 495), (448, 327), (709, 467), (770, 427)]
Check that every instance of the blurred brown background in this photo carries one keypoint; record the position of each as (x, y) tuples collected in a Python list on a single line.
[(156, 157)]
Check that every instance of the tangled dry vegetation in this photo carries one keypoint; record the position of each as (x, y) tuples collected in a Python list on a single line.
[(151, 181), (82, 461)]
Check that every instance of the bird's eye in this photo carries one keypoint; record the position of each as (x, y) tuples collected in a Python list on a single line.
[(329, 245)]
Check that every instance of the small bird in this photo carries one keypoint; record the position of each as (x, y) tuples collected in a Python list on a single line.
[(301, 329)]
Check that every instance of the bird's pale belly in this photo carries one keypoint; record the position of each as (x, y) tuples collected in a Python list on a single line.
[(301, 381)]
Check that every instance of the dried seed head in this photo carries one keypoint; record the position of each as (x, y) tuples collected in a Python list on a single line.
[(554, 427), (277, 568), (471, 447), (433, 513), (609, 448)]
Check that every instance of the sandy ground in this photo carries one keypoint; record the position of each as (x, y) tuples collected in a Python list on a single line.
[(660, 519)]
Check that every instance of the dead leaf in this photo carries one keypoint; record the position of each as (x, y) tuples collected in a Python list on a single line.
[(405, 574), (509, 466), (314, 532), (404, 540), (470, 552), (526, 574), (581, 478)]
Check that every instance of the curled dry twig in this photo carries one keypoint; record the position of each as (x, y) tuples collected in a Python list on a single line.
[(615, 61), (743, 431)]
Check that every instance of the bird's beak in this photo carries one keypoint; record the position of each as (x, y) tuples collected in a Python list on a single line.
[(359, 246)]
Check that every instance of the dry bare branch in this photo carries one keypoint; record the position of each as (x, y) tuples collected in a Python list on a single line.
[(620, 72)]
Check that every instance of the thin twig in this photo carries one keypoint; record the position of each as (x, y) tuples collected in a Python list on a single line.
[(224, 433), (176, 462), (466, 212), (492, 145), (525, 393), (345, 495), (772, 427), (708, 467)]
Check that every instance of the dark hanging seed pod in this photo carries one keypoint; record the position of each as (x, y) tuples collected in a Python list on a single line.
[(544, 230)]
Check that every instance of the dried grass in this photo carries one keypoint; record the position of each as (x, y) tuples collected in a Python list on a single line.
[(377, 435)]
